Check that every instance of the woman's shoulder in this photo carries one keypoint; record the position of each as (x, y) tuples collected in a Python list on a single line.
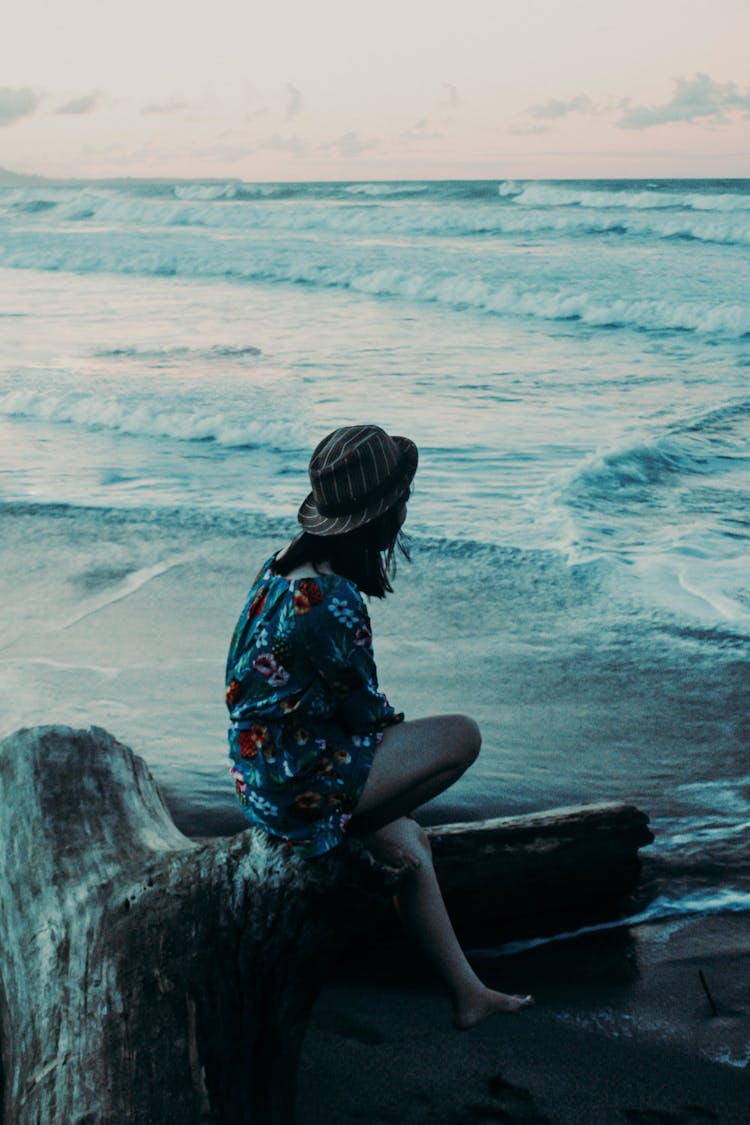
[(327, 579), (327, 600), (269, 572), (307, 587), (327, 587)]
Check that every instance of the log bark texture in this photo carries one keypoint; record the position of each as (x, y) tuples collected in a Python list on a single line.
[(146, 977), (541, 863)]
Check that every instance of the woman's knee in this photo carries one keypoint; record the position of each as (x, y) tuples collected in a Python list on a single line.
[(421, 849), (400, 839), (407, 829), (467, 739), (415, 838)]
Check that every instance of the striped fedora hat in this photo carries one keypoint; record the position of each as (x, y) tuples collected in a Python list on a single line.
[(356, 473)]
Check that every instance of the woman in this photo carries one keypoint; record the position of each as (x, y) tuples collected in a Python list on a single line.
[(316, 749)]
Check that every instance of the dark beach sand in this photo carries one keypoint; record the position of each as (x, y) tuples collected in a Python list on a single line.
[(622, 1032)]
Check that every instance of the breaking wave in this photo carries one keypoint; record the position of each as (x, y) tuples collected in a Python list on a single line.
[(155, 419), (683, 449), (217, 352), (450, 288), (637, 197), (402, 210)]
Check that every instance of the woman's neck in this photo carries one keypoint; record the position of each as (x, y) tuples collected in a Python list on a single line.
[(306, 570)]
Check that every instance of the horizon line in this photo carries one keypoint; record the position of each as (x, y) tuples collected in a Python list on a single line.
[(17, 178)]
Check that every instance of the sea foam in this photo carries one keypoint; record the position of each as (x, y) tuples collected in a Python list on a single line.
[(556, 195), (722, 900), (152, 419), (407, 210)]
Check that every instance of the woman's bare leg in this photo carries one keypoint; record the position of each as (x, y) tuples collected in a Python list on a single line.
[(416, 761), (422, 912)]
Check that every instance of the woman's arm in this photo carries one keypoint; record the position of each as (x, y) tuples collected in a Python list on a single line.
[(337, 636)]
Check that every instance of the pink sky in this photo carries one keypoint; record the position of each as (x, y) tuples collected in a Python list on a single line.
[(340, 90)]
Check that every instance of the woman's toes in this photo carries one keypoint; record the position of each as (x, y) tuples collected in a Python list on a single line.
[(487, 1004)]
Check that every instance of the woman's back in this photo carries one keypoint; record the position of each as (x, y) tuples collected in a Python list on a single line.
[(305, 710)]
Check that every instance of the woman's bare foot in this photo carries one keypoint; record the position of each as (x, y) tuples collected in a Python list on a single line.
[(468, 1013)]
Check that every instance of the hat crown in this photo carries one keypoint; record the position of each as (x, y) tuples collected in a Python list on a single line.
[(356, 473), (353, 466)]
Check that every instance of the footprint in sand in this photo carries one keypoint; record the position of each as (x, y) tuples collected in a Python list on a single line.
[(510, 1104)]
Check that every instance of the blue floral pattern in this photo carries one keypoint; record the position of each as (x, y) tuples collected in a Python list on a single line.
[(306, 712)]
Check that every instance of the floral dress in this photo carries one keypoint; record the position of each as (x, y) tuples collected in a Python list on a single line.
[(306, 714)]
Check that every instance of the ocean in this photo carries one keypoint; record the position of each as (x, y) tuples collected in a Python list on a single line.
[(572, 359)]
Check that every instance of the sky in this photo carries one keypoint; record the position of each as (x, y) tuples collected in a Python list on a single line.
[(398, 89)]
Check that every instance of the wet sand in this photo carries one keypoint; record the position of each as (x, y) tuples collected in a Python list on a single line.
[(622, 1032)]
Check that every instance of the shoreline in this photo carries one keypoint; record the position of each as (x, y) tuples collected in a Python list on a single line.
[(621, 1031)]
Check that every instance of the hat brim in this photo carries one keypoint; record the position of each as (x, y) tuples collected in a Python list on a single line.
[(312, 521)]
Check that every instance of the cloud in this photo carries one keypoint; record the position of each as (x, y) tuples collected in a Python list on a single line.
[(537, 116), (294, 102), (420, 131), (16, 103), (85, 104), (351, 144), (556, 108), (694, 98)]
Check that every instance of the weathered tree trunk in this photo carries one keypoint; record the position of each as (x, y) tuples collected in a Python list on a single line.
[(146, 977)]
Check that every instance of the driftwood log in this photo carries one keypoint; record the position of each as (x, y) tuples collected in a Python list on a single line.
[(146, 977), (523, 867)]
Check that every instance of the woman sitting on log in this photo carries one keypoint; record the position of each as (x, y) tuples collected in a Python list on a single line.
[(316, 750)]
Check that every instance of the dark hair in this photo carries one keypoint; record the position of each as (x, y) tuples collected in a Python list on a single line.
[(366, 556)]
